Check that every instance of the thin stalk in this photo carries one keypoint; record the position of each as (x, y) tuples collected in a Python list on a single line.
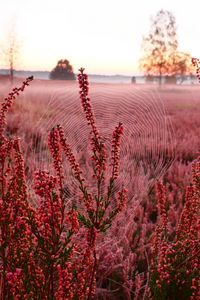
[(93, 274)]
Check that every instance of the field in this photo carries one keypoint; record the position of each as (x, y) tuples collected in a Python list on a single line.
[(160, 142)]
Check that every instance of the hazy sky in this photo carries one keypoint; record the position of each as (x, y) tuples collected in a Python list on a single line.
[(104, 36)]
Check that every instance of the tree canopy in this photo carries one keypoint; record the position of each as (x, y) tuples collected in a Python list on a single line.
[(160, 53), (63, 71)]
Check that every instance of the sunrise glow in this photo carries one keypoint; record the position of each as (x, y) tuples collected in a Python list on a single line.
[(104, 36)]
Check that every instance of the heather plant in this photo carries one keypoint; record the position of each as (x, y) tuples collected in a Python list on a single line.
[(16, 240), (175, 265), (97, 219), (23, 232), (115, 272), (175, 269), (39, 259)]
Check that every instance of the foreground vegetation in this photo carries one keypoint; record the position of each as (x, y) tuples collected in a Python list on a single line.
[(104, 246)]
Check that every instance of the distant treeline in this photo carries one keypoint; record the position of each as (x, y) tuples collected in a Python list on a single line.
[(165, 79)]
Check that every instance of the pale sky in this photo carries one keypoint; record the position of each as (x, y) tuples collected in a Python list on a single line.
[(104, 36)]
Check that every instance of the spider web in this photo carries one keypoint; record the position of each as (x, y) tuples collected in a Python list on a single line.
[(147, 145)]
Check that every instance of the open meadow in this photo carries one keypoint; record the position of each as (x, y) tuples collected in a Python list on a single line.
[(160, 141)]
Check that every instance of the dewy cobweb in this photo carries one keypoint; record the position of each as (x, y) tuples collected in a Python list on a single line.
[(147, 145)]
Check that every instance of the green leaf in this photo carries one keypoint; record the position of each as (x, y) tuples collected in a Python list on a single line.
[(101, 213), (3, 246), (41, 242), (85, 221)]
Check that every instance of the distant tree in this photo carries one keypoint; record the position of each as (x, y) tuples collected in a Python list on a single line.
[(133, 79), (160, 55), (10, 50), (63, 71)]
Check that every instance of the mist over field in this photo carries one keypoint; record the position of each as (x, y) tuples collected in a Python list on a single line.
[(153, 118)]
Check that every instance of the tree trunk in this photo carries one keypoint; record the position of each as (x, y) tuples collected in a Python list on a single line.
[(11, 66), (11, 73), (160, 76)]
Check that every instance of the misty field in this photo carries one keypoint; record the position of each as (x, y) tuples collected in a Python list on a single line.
[(160, 141)]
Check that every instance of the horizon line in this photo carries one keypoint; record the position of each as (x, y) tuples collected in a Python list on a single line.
[(89, 74)]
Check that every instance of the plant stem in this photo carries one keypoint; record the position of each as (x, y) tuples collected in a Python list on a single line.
[(93, 274)]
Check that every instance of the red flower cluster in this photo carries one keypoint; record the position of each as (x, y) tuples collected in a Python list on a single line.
[(195, 62), (98, 147), (175, 269), (85, 100), (8, 101), (115, 150), (69, 155)]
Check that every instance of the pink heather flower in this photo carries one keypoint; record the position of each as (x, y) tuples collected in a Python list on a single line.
[(122, 199), (19, 166), (162, 202), (18, 271), (54, 146), (44, 183), (176, 260), (68, 152), (71, 217), (83, 84), (116, 150), (98, 147), (8, 101)]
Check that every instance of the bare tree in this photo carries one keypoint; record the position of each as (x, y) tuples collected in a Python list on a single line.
[(10, 50), (160, 55)]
